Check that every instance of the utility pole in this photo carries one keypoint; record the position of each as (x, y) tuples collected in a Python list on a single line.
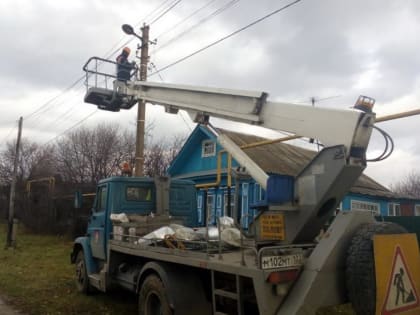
[(11, 231), (141, 110)]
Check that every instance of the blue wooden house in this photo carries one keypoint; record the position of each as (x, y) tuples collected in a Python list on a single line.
[(204, 161)]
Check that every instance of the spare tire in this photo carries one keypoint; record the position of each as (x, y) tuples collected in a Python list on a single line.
[(360, 266)]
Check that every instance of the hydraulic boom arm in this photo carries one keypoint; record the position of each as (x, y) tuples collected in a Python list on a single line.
[(351, 128)]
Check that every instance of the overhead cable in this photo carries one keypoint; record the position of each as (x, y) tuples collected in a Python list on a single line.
[(152, 65), (73, 126), (110, 53), (226, 37), (185, 19), (118, 46), (166, 11), (205, 19)]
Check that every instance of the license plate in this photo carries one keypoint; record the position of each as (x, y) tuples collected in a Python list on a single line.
[(269, 262)]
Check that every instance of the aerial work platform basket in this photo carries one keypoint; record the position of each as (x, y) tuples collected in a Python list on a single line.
[(103, 89)]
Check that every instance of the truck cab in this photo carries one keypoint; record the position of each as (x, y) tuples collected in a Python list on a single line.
[(160, 196)]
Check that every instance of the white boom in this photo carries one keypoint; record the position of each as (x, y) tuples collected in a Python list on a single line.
[(351, 128)]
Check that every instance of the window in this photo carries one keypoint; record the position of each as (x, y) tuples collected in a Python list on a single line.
[(258, 193), (394, 209), (138, 193), (101, 198), (210, 208), (225, 203), (244, 209), (417, 210), (208, 148), (373, 207)]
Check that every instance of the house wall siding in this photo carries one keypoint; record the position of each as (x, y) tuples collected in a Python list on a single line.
[(190, 164)]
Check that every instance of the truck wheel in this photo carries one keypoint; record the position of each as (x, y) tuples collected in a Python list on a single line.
[(152, 298), (360, 266), (82, 280)]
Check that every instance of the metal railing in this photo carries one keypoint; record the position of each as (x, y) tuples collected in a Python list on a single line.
[(101, 73)]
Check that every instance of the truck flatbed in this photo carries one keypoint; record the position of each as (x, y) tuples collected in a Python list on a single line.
[(243, 262)]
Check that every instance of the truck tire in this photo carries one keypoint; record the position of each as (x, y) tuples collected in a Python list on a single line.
[(82, 279), (152, 297), (360, 266)]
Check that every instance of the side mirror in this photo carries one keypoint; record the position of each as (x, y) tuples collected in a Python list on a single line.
[(78, 199)]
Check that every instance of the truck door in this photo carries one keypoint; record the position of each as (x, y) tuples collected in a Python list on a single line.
[(97, 223)]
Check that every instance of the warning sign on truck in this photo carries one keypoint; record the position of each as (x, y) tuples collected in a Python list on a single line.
[(397, 267), (272, 227)]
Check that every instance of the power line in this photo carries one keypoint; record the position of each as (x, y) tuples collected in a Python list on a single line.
[(159, 7), (109, 54), (47, 105), (202, 21), (116, 47), (34, 113), (185, 19), (165, 12), (180, 112), (227, 36), (157, 71), (56, 111), (72, 127)]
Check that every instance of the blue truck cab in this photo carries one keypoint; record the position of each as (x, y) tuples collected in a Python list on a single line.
[(128, 195)]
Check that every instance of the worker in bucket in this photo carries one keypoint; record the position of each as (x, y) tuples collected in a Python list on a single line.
[(124, 67)]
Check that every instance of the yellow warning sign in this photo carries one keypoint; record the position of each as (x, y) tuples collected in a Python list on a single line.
[(272, 227), (397, 265)]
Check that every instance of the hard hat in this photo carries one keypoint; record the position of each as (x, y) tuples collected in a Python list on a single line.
[(127, 50)]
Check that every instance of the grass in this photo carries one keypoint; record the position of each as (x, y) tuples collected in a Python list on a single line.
[(38, 279)]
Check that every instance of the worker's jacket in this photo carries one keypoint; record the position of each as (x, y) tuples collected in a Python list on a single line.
[(123, 68)]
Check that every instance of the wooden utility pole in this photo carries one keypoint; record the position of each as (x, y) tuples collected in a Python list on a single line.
[(141, 110), (11, 240)]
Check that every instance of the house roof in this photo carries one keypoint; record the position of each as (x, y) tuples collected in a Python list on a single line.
[(282, 158)]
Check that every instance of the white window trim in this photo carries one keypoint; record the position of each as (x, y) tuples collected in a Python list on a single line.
[(199, 201), (417, 209), (203, 146), (219, 201), (258, 192), (245, 204), (373, 207), (394, 209)]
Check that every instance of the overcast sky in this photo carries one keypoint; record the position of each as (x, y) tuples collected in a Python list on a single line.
[(327, 49)]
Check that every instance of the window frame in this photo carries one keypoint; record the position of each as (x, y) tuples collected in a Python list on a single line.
[(148, 194), (394, 206), (204, 152), (101, 198), (417, 209), (367, 204), (225, 202), (210, 207)]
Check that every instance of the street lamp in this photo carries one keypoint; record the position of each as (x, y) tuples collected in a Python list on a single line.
[(129, 30)]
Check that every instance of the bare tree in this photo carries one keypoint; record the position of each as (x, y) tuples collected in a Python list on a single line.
[(34, 160), (160, 154), (409, 185), (88, 155)]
